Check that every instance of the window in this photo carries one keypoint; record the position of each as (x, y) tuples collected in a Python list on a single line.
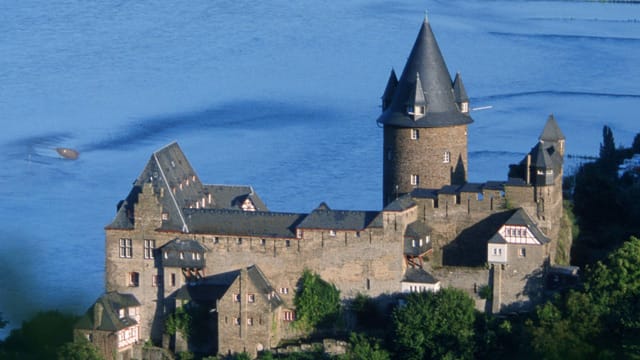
[(154, 280), (420, 241), (250, 321), (415, 179), (415, 134), (125, 248), (522, 252), (165, 216), (447, 157), (251, 298), (216, 240), (173, 279), (181, 255), (464, 107), (166, 254), (149, 245), (121, 313), (236, 297), (284, 290), (413, 242), (239, 241), (287, 243), (288, 315), (263, 242), (236, 321), (134, 279), (332, 233)]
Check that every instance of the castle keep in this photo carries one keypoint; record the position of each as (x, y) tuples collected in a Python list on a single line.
[(176, 241)]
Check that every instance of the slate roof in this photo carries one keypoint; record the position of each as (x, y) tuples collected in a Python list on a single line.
[(177, 187), (109, 319), (243, 223), (419, 276), (540, 158), (390, 89), (175, 247), (421, 193), (214, 287), (414, 232), (459, 92), (232, 196), (427, 62), (402, 203), (520, 218), (340, 220), (551, 131), (472, 188)]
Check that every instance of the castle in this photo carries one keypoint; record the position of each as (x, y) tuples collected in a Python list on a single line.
[(176, 241)]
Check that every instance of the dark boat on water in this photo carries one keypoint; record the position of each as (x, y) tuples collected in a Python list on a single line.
[(68, 153)]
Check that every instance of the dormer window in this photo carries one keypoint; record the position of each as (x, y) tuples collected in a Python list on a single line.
[(447, 157), (464, 107), (415, 134), (415, 110)]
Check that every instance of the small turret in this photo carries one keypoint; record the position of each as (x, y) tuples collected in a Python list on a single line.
[(552, 135), (417, 104), (390, 90), (460, 94)]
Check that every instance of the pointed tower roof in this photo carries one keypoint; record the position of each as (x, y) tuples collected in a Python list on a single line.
[(392, 83), (425, 60), (459, 92), (551, 131), (417, 94)]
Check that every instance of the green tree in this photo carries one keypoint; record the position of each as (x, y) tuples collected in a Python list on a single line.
[(317, 301), (179, 321), (608, 146), (435, 326), (362, 348), (80, 349), (39, 337)]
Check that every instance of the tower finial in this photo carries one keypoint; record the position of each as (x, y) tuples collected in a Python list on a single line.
[(426, 15)]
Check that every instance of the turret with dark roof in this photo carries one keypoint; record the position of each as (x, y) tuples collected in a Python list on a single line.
[(425, 123), (425, 66)]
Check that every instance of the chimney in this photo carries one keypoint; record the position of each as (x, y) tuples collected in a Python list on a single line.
[(528, 169)]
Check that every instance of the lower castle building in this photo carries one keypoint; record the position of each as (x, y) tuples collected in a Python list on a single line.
[(176, 241)]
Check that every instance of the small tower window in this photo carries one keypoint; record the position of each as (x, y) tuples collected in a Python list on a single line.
[(415, 134), (447, 157), (415, 180), (464, 107)]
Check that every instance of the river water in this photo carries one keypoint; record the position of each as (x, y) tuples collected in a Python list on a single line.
[(280, 95)]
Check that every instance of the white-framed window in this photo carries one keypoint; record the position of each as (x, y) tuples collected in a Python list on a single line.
[(165, 216), (250, 321), (236, 321), (263, 242), (236, 297), (284, 290), (216, 240), (149, 246), (413, 242), (181, 255), (447, 157), (415, 179), (239, 241), (126, 250), (332, 233), (522, 252), (121, 313), (415, 134), (464, 107), (251, 298), (154, 280)]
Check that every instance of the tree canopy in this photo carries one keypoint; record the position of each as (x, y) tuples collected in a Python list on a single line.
[(317, 301), (435, 326)]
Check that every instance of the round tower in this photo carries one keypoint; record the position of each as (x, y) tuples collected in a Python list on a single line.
[(425, 117)]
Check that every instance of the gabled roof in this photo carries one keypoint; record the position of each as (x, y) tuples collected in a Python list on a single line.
[(425, 60), (175, 247), (416, 97), (214, 287), (232, 196), (459, 92), (520, 218), (551, 131), (340, 220), (243, 223), (415, 232), (104, 313), (419, 276)]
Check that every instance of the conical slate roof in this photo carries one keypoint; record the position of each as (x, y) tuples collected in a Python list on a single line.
[(392, 83), (427, 62), (459, 92), (540, 157), (551, 131)]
